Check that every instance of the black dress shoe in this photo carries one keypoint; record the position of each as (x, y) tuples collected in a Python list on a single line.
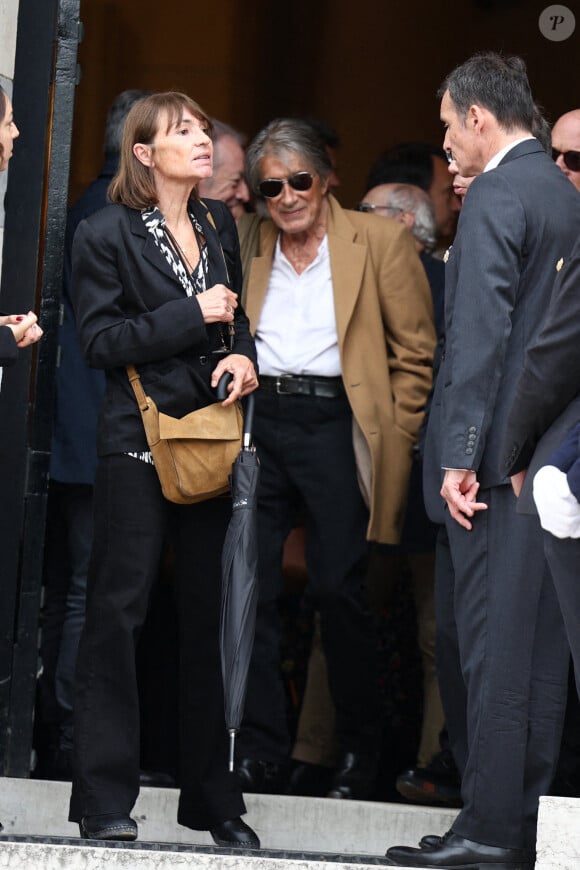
[(309, 780), (438, 783), (354, 778), (261, 777), (456, 853), (109, 826), (429, 841), (235, 833)]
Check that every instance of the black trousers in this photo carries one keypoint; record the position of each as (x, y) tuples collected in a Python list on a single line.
[(563, 555), (307, 464), (132, 522), (503, 663)]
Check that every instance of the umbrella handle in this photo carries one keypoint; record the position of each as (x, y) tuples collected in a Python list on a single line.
[(249, 404), (222, 387)]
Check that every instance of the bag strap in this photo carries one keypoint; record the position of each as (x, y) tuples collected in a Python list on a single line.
[(135, 382)]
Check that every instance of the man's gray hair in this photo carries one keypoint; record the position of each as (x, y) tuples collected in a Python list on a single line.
[(219, 130), (498, 83), (283, 136), (410, 198), (116, 116)]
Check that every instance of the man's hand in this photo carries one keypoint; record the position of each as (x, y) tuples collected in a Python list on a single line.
[(244, 376), (459, 491), (518, 481)]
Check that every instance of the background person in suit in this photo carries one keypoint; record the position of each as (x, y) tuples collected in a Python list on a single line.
[(325, 284), (424, 166), (155, 284), (502, 663), (227, 182), (566, 145), (545, 413)]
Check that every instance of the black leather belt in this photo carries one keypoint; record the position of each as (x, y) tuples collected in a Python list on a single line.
[(303, 385)]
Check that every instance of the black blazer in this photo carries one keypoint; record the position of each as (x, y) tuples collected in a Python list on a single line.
[(8, 347), (546, 403), (551, 375), (516, 223), (130, 308), (79, 388)]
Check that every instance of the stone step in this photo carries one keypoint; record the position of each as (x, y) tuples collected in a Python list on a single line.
[(295, 832), (58, 853), (558, 841)]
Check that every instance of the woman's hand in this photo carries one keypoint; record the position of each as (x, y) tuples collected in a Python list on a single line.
[(24, 327), (244, 379), (218, 304)]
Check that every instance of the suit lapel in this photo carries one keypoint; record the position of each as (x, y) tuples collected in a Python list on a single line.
[(150, 250), (260, 269), (347, 263), (217, 264)]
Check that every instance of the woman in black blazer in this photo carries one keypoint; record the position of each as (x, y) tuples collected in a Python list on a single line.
[(155, 284), (16, 330)]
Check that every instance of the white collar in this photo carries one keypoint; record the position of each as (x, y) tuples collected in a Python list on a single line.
[(497, 158)]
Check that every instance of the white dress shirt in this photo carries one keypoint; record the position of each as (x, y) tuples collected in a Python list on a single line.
[(296, 333)]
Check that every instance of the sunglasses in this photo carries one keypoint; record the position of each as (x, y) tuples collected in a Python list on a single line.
[(369, 207), (272, 187), (571, 159)]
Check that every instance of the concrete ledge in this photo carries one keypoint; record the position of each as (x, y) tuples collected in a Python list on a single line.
[(558, 841), (37, 808)]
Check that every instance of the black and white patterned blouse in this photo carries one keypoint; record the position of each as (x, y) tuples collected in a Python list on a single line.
[(193, 283)]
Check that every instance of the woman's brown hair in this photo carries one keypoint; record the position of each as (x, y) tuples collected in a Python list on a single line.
[(134, 185)]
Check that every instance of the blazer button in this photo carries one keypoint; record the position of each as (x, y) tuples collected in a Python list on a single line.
[(469, 450), (472, 429)]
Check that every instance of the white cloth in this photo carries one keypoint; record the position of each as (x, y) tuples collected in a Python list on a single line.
[(497, 158), (557, 506), (296, 333)]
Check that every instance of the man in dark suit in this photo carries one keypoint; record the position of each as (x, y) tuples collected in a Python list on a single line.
[(501, 656), (545, 412), (546, 401)]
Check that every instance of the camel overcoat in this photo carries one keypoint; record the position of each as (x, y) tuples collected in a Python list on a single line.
[(386, 340)]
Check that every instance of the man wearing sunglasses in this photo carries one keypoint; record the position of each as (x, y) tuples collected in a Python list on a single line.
[(342, 316), (566, 145)]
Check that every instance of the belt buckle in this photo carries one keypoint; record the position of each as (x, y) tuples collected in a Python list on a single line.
[(279, 390)]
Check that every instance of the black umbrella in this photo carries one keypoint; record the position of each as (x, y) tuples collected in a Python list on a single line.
[(240, 581)]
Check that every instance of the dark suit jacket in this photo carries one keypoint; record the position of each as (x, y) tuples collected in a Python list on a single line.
[(567, 459), (517, 222), (79, 388), (8, 347), (130, 308), (546, 401)]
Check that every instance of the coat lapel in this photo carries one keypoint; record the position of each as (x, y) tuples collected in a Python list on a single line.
[(347, 263), (150, 250), (260, 269), (217, 263)]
